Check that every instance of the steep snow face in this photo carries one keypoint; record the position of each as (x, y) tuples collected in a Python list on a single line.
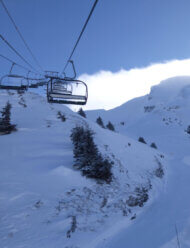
[(45, 202), (170, 89), (161, 117)]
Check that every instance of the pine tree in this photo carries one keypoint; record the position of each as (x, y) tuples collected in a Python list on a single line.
[(153, 145), (82, 113), (110, 126), (87, 157), (100, 122), (188, 129), (5, 122), (141, 139), (61, 116)]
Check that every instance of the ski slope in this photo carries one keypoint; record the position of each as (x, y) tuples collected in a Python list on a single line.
[(45, 202), (161, 117)]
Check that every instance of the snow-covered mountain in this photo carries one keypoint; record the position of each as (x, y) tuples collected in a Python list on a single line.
[(161, 117), (46, 203)]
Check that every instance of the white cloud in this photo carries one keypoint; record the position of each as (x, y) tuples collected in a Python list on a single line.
[(108, 90)]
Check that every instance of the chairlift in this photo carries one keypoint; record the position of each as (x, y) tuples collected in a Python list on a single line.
[(59, 89), (65, 90), (41, 82), (8, 84), (34, 82)]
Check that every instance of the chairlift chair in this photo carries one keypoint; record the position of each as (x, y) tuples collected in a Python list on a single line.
[(35, 82), (7, 85), (64, 95), (61, 90)]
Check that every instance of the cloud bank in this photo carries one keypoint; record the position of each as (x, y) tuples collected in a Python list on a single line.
[(108, 90)]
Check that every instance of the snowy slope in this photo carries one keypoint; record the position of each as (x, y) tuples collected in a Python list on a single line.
[(45, 202), (161, 117), (163, 112)]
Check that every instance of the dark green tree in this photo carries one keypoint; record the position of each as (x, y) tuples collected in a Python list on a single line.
[(82, 113), (87, 157), (141, 139), (188, 129), (5, 121), (153, 145), (99, 121), (110, 126), (61, 116)]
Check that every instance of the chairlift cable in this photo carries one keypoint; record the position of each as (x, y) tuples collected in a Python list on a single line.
[(81, 33), (20, 34), (18, 54), (13, 62)]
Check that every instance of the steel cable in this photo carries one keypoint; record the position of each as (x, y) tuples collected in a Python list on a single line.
[(13, 62), (21, 36), (18, 54), (81, 33)]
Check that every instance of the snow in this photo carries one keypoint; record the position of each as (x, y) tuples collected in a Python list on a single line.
[(186, 160), (162, 117), (45, 202)]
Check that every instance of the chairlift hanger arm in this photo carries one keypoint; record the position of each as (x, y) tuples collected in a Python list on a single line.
[(74, 71), (13, 64), (71, 61)]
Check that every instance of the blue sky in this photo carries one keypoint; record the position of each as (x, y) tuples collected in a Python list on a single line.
[(121, 34), (122, 41)]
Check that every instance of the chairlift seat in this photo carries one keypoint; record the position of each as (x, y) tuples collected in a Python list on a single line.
[(65, 96), (11, 87), (74, 99), (55, 87), (62, 92), (14, 76)]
